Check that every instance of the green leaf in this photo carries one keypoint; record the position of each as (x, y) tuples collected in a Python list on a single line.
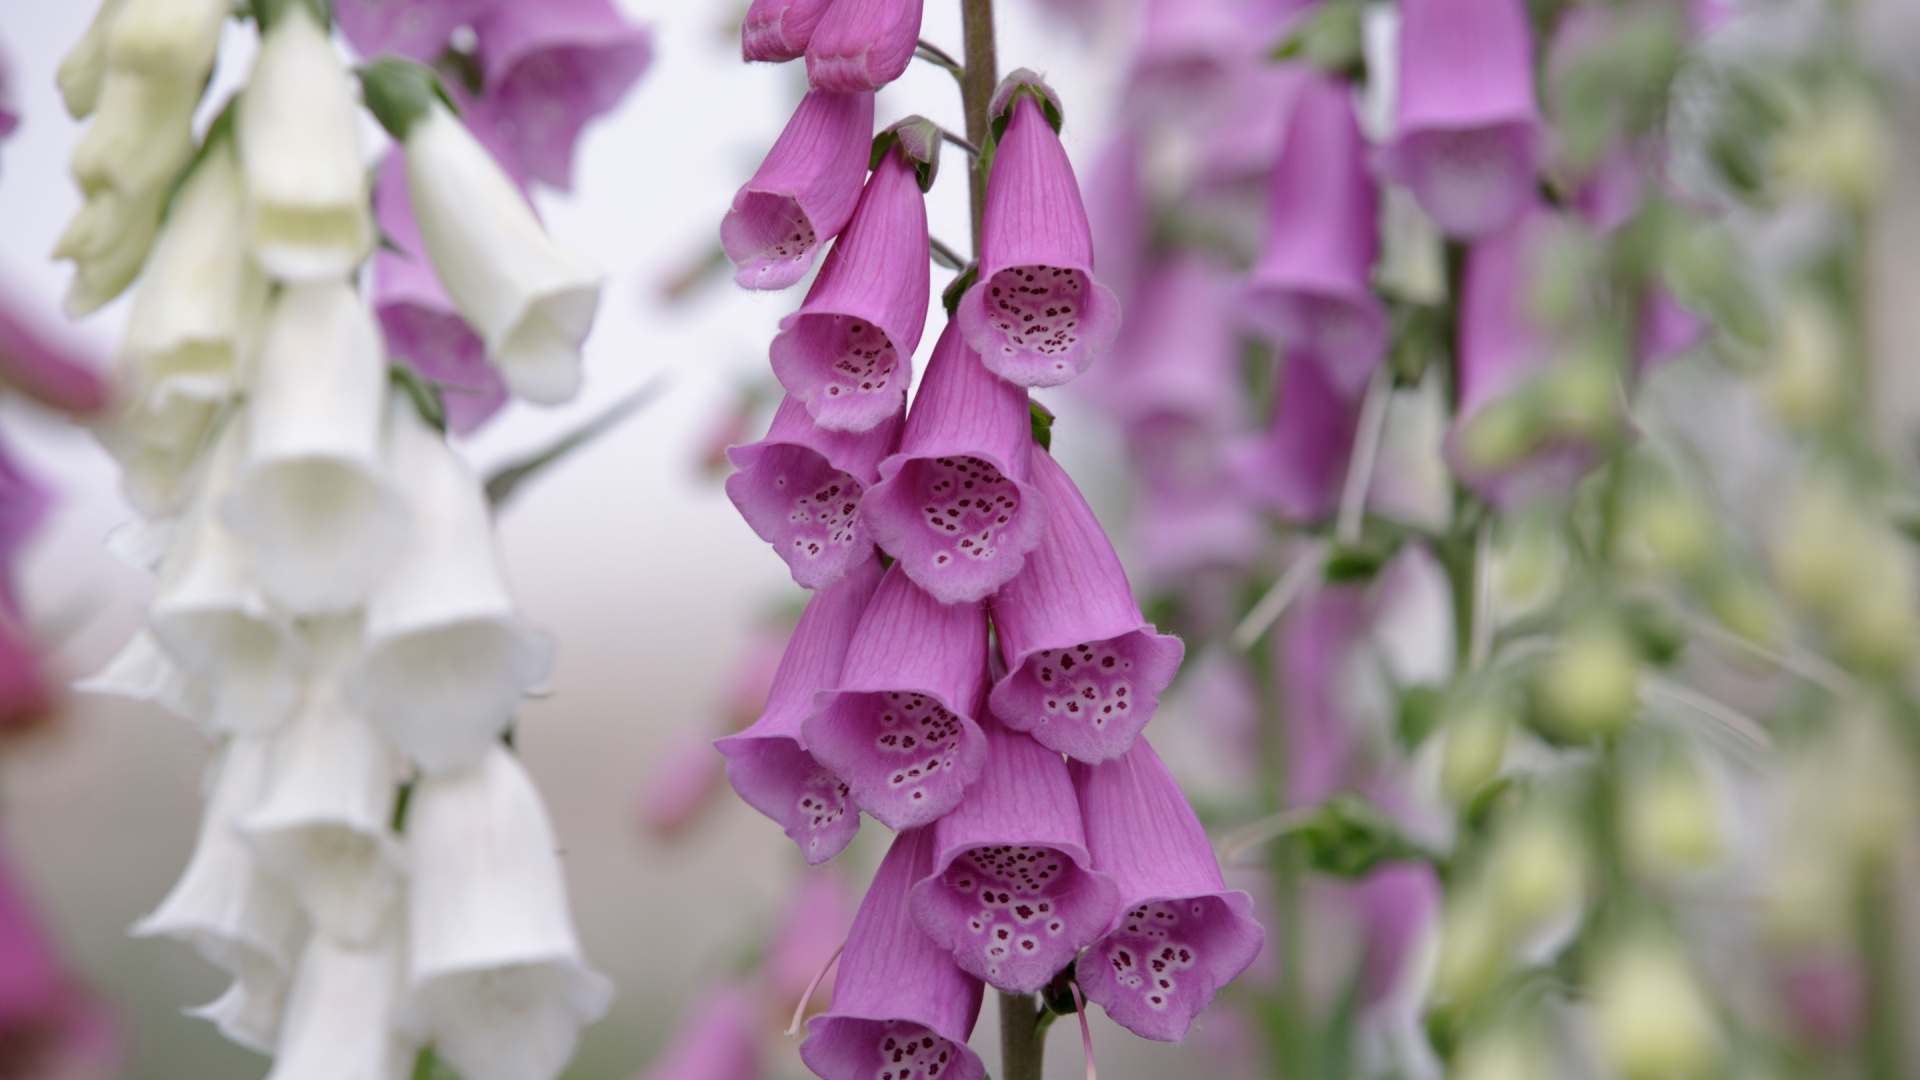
[(1042, 420), (507, 479)]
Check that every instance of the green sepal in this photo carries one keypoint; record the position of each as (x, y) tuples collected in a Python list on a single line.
[(1041, 419), (919, 139), (1348, 837), (424, 394), (1419, 714), (399, 92), (1365, 557), (268, 12), (507, 479), (1023, 82), (957, 288), (1329, 38)]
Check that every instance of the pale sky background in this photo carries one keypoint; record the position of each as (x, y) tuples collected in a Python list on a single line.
[(640, 569)]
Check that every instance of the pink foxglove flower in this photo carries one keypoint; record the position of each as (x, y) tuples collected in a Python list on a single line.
[(898, 727), (778, 30), (1667, 330), (549, 67), (43, 368), (1119, 214), (1310, 650), (810, 931), (804, 192), (415, 29), (1178, 356), (1311, 289), (1191, 515), (847, 354), (900, 1006), (1084, 668), (1191, 54), (1013, 895), (800, 490), (49, 1025), (1297, 469), (1399, 902), (862, 44), (1036, 316), (1467, 136), (1181, 934), (768, 764), (23, 507), (718, 1039), (955, 505)]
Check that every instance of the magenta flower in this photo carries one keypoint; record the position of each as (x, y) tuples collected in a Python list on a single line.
[(1312, 288), (954, 505), (1191, 55), (1398, 902), (800, 490), (809, 932), (49, 1026), (898, 727), (803, 193), (901, 1009), (1084, 668), (415, 29), (718, 1039), (44, 369), (680, 781), (27, 695), (1012, 893), (418, 319), (778, 30), (1178, 356), (769, 763), (1298, 468), (1467, 136), (1181, 934), (1310, 650), (1036, 316), (1243, 144), (1191, 516), (1666, 330), (847, 354), (550, 66), (862, 44), (1118, 213)]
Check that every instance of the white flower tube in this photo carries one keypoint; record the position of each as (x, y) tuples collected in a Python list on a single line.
[(447, 657), (339, 1022), (106, 241), (227, 908), (495, 977), (173, 39), (210, 615), (143, 671), (531, 300), (142, 133), (318, 520), (299, 134), (85, 66), (325, 828)]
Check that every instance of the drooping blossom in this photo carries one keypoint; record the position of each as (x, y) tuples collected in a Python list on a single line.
[(876, 1028), (1176, 358), (1037, 317), (1189, 56), (1299, 466), (1084, 668), (862, 44), (1120, 219), (718, 1039), (804, 192), (778, 30), (801, 487)]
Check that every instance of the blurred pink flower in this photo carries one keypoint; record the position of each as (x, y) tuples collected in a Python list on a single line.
[(50, 1028), (718, 1039)]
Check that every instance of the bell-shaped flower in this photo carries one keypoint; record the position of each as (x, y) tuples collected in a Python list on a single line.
[(140, 136), (862, 44), (1399, 903), (1179, 355), (1181, 935), (847, 354), (1192, 516), (447, 657), (143, 671), (231, 910), (325, 827), (804, 192), (43, 367), (1013, 894), (1190, 56), (339, 1018), (1036, 316), (769, 763), (718, 1039), (310, 505), (800, 487), (900, 1006), (778, 30), (416, 29), (955, 505), (210, 615), (1084, 668), (299, 134), (1311, 289), (106, 241), (1467, 138), (1119, 213), (166, 39), (84, 68), (549, 66), (1299, 466), (24, 503), (495, 979), (1312, 649), (898, 726)]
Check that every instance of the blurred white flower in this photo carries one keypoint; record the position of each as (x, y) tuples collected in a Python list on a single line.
[(85, 66), (166, 38), (106, 241), (143, 671), (140, 136), (339, 1022)]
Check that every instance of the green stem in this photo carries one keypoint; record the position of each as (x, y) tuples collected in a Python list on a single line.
[(1286, 1022), (977, 80), (1022, 1038), (1880, 948)]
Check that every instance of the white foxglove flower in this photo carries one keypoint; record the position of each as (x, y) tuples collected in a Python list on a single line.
[(160, 450), (251, 1010), (208, 612), (325, 828), (318, 520), (106, 241), (298, 125), (142, 133), (229, 909), (143, 671), (339, 1022), (447, 657), (85, 66), (495, 977), (173, 39)]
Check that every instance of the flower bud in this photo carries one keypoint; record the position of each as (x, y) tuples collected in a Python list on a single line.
[(1838, 147), (1592, 684), (1579, 398), (107, 240), (1652, 1020), (1476, 745), (170, 39), (1504, 1053), (1538, 867), (1499, 436), (1807, 381), (85, 66), (1473, 948), (1744, 606), (1672, 821), (1529, 565), (140, 136)]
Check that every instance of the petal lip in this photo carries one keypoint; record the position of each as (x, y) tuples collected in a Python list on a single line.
[(803, 194)]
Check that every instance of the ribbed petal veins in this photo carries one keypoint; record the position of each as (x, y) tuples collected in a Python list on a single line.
[(778, 30), (803, 193), (800, 488), (862, 44)]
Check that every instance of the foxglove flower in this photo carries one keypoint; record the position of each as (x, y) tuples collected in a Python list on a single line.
[(1191, 53), (143, 671), (680, 781), (1118, 213), (1667, 330), (324, 827), (27, 695), (898, 726), (1310, 650), (1037, 317), (900, 1007), (809, 933), (847, 354), (719, 1039), (495, 979), (310, 505), (339, 1014), (1311, 288), (769, 763), (51, 1026), (800, 488), (1084, 669), (23, 508), (415, 29), (1297, 469), (106, 241), (549, 66), (140, 136), (1177, 359), (778, 30), (84, 67), (804, 192), (955, 505), (1398, 905), (1012, 894), (299, 136), (862, 44), (1181, 934), (170, 39), (447, 657), (43, 368)]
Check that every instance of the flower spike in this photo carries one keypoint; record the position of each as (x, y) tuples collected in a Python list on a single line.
[(804, 192), (800, 489)]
